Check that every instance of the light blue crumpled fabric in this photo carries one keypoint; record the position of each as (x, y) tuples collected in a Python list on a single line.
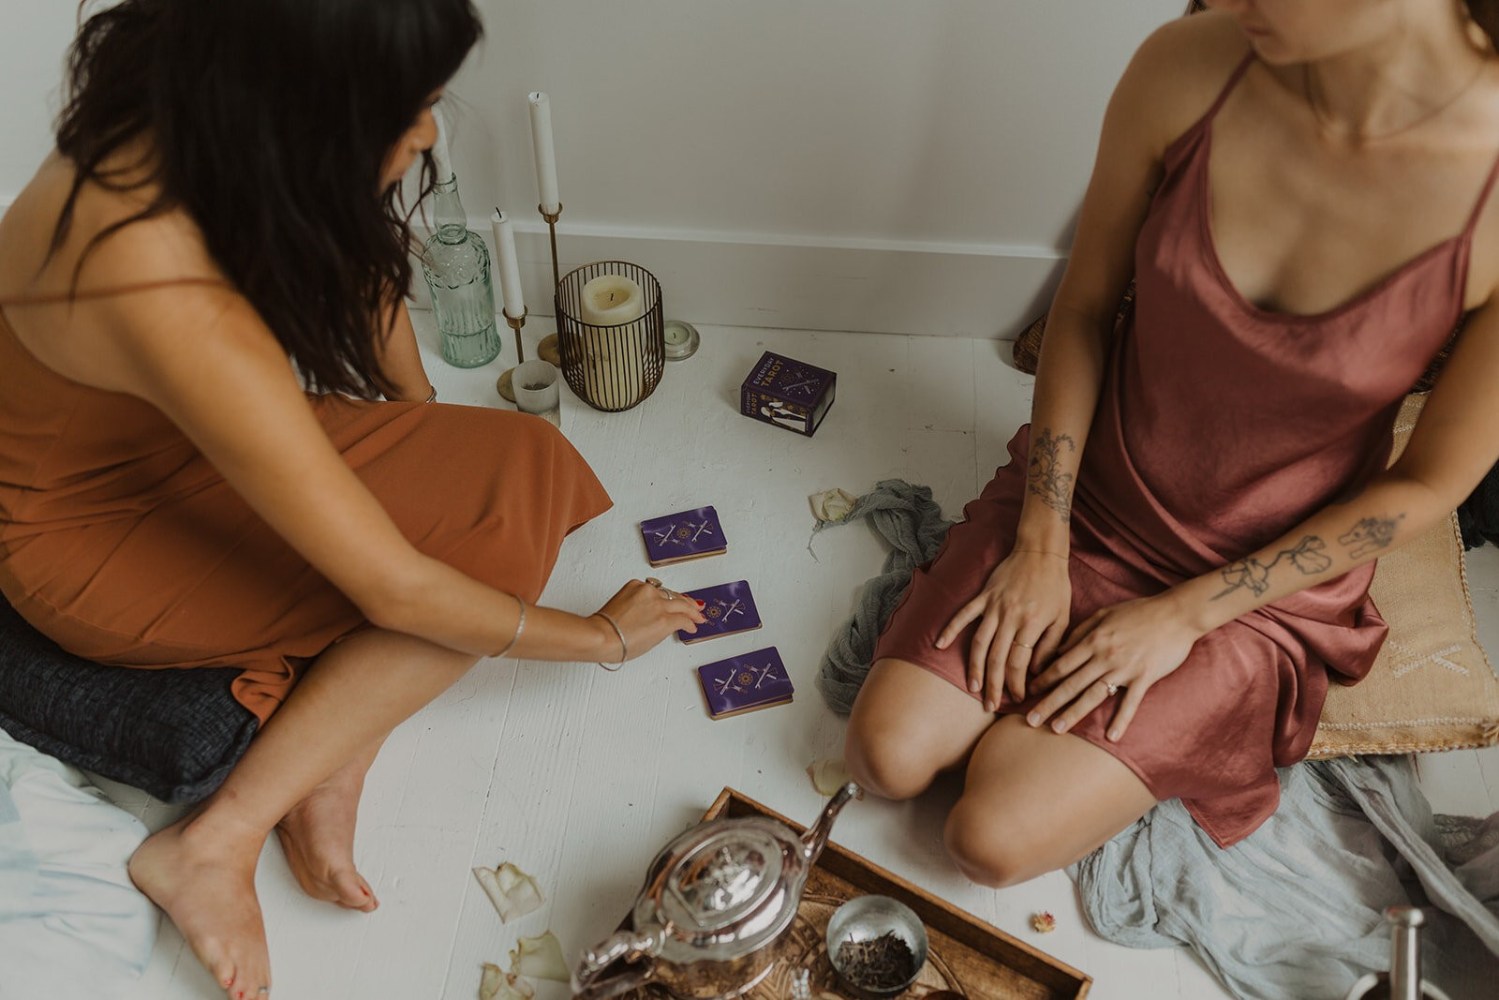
[(71, 923), (1293, 912)]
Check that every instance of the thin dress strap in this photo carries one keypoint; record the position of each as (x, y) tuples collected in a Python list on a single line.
[(1228, 87), (1483, 198), (57, 298)]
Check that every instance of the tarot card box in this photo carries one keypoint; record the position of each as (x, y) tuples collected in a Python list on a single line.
[(729, 608), (691, 534), (744, 683), (788, 393)]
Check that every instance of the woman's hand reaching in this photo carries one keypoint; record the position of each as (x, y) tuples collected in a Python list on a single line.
[(646, 613), (1022, 615), (1126, 647)]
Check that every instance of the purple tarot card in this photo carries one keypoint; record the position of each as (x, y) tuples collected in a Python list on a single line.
[(745, 683), (691, 534), (729, 608)]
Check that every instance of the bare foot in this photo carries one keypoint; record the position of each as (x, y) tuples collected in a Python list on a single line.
[(318, 839), (206, 885)]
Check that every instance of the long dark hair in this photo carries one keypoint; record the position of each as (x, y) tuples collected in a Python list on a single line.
[(269, 122), (1485, 14)]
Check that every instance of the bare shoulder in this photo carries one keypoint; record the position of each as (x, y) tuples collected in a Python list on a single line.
[(106, 293), (1481, 134), (1178, 71)]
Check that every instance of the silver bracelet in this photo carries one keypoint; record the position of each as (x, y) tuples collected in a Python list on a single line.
[(624, 647), (520, 627), (433, 397)]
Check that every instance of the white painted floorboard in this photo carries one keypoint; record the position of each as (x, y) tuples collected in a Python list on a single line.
[(579, 776)]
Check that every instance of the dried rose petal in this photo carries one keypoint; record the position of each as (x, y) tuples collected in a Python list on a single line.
[(540, 958), (1043, 922), (831, 506), (828, 775), (499, 985), (512, 891)]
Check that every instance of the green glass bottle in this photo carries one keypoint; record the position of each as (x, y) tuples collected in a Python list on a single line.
[(455, 263)]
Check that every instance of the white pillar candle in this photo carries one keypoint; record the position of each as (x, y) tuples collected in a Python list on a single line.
[(440, 157), (611, 299), (613, 361), (504, 242), (546, 156)]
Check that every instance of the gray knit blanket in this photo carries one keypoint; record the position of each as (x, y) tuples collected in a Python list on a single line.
[(1293, 910)]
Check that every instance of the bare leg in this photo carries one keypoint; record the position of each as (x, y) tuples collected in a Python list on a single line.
[(201, 869), (317, 837), (1034, 801), (907, 726)]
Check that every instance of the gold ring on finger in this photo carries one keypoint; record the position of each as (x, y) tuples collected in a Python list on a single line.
[(1022, 645)]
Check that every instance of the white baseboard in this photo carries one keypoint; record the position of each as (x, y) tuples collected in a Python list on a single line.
[(803, 283), (869, 286)]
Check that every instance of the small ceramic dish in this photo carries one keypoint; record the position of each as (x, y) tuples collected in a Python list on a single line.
[(870, 939)]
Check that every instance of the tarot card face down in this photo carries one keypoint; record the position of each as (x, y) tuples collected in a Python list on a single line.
[(692, 534), (745, 683), (729, 608)]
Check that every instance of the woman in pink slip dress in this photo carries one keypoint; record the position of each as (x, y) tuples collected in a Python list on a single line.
[(1149, 600)]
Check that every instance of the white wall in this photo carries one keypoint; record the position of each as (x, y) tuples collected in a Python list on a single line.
[(34, 35), (882, 165)]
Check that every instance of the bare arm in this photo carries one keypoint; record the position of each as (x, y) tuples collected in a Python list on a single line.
[(400, 359), (1135, 644), (233, 394), (1024, 609), (1450, 451)]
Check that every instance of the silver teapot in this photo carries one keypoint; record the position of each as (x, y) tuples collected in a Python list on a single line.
[(711, 918)]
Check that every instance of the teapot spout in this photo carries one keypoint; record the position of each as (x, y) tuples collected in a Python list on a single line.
[(816, 837)]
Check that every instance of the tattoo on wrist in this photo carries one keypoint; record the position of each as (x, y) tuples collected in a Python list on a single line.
[(1308, 556), (1044, 475), (1370, 534)]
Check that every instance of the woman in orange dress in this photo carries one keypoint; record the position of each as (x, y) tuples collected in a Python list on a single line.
[(222, 207), (1149, 601)]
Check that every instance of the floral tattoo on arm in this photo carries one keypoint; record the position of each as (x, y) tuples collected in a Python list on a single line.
[(1370, 534), (1251, 574), (1044, 475)]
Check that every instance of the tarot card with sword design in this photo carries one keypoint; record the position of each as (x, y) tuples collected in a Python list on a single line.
[(692, 534), (745, 683), (729, 608)]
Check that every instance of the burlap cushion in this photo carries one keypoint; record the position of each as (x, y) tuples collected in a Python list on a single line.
[(1432, 687)]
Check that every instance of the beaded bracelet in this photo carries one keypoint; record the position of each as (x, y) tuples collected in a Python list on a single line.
[(624, 647), (520, 627)]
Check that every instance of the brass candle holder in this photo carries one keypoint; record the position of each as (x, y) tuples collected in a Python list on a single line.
[(548, 349), (506, 384)]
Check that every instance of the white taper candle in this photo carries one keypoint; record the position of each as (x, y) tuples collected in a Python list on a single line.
[(504, 242), (546, 155)]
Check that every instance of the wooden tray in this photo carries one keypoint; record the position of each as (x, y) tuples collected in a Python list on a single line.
[(968, 956)]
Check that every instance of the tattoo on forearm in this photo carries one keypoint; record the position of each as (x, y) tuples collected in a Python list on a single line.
[(1253, 575), (1370, 534), (1045, 477)]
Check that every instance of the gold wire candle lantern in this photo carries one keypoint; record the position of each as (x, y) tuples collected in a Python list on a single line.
[(611, 368)]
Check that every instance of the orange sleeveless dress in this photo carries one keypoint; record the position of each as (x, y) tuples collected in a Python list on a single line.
[(120, 541), (1220, 426)]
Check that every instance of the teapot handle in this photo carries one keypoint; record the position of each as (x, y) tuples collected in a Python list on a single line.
[(624, 945)]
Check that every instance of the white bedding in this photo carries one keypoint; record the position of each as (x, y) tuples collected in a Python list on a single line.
[(71, 923)]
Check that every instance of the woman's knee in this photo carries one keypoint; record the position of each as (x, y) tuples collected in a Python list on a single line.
[(883, 763), (990, 851)]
